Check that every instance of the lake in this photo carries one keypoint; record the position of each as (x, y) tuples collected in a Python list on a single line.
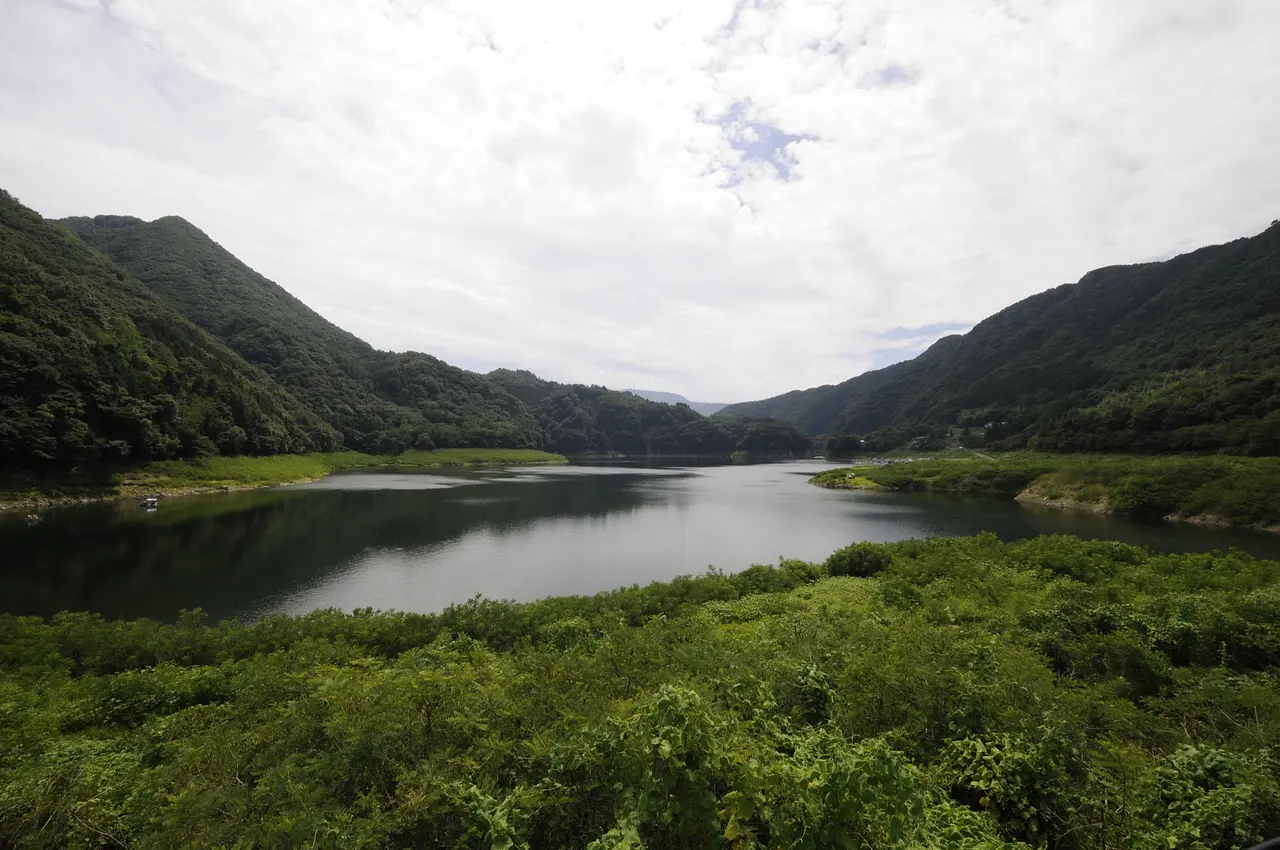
[(419, 541)]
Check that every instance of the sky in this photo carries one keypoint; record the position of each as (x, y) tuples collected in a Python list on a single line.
[(727, 199)]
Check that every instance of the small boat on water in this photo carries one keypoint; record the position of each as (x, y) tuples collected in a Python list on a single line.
[(149, 503)]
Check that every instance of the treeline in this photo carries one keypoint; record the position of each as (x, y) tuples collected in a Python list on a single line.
[(1181, 355), (958, 693), (170, 347)]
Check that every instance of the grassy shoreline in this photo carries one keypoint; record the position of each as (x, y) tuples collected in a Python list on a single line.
[(957, 692), (207, 475), (1209, 490)]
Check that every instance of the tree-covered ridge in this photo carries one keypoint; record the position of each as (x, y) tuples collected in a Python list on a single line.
[(579, 419), (94, 369), (379, 401), (955, 693), (1174, 355)]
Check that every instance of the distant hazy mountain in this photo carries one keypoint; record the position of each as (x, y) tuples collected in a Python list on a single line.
[(706, 408)]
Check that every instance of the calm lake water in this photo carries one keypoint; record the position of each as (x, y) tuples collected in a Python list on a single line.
[(420, 541)]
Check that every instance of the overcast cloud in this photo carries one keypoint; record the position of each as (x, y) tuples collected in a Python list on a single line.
[(724, 200)]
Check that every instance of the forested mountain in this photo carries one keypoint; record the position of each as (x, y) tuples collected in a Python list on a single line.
[(583, 419), (94, 368), (1181, 355), (706, 408), (165, 345), (379, 401)]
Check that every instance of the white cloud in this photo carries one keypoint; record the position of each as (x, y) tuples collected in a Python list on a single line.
[(549, 186)]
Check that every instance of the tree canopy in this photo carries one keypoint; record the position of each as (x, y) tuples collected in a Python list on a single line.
[(379, 401), (94, 368)]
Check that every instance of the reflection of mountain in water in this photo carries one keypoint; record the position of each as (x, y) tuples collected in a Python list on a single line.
[(226, 553)]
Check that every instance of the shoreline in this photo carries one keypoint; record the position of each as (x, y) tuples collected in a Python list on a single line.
[(1182, 489), (135, 484)]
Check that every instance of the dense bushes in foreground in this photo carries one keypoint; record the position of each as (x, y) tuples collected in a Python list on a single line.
[(962, 693), (1231, 490)]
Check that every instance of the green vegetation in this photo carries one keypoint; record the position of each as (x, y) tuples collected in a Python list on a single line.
[(384, 402), (579, 419), (93, 369), (1182, 355), (177, 350), (173, 477), (943, 694), (1219, 489), (850, 478), (381, 402)]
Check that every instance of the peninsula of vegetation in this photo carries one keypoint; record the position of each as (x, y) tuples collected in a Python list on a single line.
[(956, 693), (1212, 490)]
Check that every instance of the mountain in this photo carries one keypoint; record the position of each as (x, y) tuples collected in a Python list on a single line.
[(581, 419), (95, 369), (384, 401), (379, 401), (706, 408), (1180, 355)]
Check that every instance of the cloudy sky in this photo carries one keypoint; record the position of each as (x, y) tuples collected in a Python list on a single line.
[(723, 199)]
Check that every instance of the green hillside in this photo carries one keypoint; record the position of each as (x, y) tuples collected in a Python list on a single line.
[(95, 369), (580, 419), (388, 402), (379, 401), (1176, 355)]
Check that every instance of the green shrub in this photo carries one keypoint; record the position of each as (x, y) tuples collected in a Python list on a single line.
[(859, 559), (970, 694)]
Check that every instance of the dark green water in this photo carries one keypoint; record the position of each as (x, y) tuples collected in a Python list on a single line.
[(416, 541)]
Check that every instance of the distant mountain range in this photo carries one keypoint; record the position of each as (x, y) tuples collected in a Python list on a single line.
[(1180, 355), (706, 408)]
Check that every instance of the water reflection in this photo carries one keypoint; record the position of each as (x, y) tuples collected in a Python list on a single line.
[(418, 541), (231, 553)]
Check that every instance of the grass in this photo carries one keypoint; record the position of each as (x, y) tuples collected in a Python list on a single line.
[(849, 478), (176, 477), (1212, 489)]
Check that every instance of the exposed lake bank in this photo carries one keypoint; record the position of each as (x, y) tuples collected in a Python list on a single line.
[(1215, 490)]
